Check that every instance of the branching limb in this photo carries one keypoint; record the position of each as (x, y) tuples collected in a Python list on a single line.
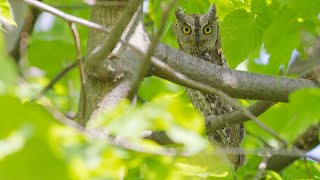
[(94, 59)]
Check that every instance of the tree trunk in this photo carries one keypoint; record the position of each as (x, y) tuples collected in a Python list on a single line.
[(104, 91)]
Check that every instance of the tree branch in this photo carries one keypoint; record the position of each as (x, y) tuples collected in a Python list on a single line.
[(237, 117), (237, 84), (66, 16), (159, 137)]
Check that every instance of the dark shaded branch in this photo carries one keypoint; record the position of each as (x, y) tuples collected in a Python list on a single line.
[(307, 141), (159, 137)]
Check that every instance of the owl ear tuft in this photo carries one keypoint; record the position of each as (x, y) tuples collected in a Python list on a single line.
[(212, 11), (180, 14)]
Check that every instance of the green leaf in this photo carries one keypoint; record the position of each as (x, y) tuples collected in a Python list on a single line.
[(306, 9), (52, 55), (280, 39), (297, 170), (193, 142), (8, 71), (24, 131), (292, 119), (238, 29), (272, 175), (207, 164), (5, 12)]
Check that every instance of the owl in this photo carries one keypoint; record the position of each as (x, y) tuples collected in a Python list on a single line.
[(198, 35)]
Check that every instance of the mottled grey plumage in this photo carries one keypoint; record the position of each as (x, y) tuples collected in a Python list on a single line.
[(198, 35)]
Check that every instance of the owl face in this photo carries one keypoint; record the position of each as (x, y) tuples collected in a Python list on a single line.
[(196, 32)]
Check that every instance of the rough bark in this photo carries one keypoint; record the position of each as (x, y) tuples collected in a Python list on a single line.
[(237, 84), (104, 90)]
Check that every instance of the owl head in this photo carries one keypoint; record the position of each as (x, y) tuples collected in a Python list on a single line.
[(196, 32)]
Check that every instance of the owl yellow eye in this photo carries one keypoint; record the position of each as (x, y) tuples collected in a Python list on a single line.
[(186, 30), (207, 30)]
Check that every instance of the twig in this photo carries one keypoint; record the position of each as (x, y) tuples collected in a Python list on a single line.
[(265, 143), (270, 131), (60, 75), (154, 42), (65, 16), (159, 33), (307, 168), (77, 43), (262, 166)]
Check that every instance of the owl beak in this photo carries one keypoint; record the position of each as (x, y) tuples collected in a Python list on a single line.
[(197, 41)]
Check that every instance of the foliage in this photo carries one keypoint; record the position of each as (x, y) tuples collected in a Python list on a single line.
[(34, 144), (5, 14)]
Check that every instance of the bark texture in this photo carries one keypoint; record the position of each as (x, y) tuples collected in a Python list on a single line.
[(114, 79)]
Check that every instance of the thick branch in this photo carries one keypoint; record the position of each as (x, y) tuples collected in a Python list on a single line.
[(237, 84)]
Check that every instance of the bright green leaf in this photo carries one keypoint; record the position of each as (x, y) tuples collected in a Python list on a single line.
[(280, 39), (32, 157), (5, 12), (239, 36)]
